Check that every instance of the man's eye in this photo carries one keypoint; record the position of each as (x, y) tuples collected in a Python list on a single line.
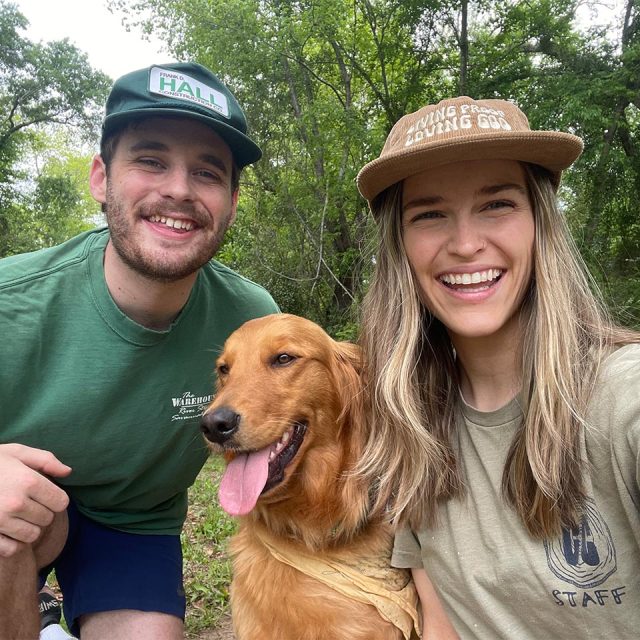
[(209, 176), (150, 162)]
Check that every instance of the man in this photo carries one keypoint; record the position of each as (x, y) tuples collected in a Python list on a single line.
[(106, 363)]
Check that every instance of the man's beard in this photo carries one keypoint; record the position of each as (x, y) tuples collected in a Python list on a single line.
[(152, 264)]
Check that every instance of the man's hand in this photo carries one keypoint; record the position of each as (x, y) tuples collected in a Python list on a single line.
[(28, 499)]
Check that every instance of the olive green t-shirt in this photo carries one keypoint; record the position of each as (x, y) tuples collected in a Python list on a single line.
[(118, 402), (497, 582)]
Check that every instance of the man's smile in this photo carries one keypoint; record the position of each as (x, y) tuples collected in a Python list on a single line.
[(175, 223)]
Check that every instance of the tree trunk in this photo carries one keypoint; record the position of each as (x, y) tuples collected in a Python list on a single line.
[(464, 48)]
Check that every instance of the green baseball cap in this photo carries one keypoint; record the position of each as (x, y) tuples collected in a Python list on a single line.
[(184, 89)]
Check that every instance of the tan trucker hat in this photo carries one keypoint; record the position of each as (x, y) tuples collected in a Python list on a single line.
[(464, 129)]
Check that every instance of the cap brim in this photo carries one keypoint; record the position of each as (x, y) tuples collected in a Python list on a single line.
[(552, 150), (244, 150)]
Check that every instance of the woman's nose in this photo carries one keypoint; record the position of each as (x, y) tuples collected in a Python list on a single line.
[(466, 238)]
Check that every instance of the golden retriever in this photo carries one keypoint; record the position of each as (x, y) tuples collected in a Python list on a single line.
[(308, 561)]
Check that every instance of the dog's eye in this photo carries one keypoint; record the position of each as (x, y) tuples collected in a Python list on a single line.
[(223, 369), (283, 359)]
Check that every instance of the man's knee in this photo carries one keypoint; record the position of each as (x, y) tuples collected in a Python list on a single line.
[(25, 560), (49, 545), (127, 623), (19, 617)]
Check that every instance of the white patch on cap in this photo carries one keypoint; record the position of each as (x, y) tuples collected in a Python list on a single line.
[(173, 84), (452, 118)]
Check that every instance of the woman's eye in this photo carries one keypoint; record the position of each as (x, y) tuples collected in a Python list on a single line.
[(499, 204), (424, 215)]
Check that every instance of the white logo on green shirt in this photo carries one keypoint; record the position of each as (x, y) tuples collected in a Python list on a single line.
[(190, 406)]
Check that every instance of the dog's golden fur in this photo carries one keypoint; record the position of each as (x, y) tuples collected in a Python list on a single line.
[(275, 372)]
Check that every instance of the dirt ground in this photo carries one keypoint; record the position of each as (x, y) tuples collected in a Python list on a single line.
[(223, 631)]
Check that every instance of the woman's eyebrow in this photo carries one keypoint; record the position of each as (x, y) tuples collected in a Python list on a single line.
[(497, 188), (427, 201)]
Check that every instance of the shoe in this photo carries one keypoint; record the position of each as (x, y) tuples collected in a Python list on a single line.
[(50, 609)]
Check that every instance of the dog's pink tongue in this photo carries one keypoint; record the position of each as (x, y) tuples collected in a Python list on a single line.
[(243, 481)]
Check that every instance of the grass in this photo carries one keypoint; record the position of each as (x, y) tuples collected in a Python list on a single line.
[(207, 570)]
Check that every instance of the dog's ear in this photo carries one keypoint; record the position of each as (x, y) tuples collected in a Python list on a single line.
[(348, 382), (347, 369), (349, 354)]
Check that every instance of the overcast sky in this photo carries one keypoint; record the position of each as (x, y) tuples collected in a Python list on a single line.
[(94, 30)]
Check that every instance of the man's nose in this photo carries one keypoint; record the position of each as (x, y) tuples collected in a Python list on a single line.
[(177, 185)]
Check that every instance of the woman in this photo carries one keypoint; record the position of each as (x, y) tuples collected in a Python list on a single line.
[(505, 403)]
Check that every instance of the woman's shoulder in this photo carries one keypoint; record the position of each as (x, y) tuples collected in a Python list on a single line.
[(615, 404), (621, 364)]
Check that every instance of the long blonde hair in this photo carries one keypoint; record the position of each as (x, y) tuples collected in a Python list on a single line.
[(412, 378)]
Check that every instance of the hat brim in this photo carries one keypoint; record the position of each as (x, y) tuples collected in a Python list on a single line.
[(244, 150), (553, 150)]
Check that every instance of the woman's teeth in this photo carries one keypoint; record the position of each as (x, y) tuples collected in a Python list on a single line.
[(471, 278)]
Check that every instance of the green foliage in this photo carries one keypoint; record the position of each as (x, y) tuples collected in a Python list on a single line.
[(53, 203), (45, 83), (323, 81), (586, 82), (43, 87)]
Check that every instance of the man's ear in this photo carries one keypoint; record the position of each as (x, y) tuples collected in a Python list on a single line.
[(98, 179)]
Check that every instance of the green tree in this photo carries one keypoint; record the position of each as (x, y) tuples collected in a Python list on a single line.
[(53, 202), (323, 81), (41, 85)]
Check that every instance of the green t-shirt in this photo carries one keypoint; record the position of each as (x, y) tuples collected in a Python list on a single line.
[(496, 582), (118, 402)]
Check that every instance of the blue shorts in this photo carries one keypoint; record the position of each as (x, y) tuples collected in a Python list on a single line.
[(103, 569)]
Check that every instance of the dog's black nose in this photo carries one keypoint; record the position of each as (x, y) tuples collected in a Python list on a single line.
[(220, 424)]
